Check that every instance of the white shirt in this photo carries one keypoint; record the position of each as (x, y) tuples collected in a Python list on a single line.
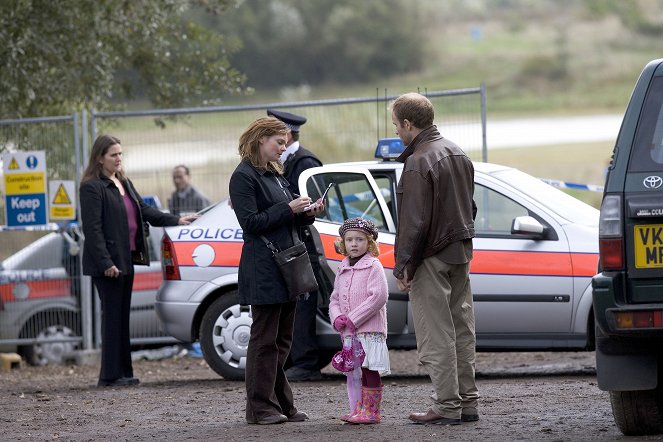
[(289, 151)]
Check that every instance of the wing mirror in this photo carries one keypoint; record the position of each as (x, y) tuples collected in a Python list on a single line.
[(526, 225)]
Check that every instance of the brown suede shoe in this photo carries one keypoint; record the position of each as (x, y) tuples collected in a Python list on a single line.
[(430, 417)]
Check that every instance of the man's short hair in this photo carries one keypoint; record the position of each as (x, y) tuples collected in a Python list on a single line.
[(415, 108), (186, 169)]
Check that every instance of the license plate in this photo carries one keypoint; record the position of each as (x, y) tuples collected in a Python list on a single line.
[(648, 242)]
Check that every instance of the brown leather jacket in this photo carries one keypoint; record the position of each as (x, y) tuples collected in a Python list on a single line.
[(438, 209)]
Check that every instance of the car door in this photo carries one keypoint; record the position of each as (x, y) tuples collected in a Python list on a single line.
[(522, 286), (144, 323), (355, 193)]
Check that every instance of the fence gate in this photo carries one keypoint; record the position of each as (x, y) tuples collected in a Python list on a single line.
[(40, 288)]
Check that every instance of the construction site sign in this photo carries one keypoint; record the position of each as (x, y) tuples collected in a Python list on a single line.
[(25, 188)]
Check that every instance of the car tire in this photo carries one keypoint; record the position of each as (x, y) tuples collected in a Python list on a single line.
[(638, 412), (224, 336), (53, 325)]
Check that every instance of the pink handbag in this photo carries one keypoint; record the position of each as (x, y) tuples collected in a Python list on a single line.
[(351, 355)]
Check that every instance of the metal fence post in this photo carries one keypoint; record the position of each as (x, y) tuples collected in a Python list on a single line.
[(484, 145)]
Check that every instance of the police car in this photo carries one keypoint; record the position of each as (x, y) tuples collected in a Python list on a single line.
[(40, 298), (535, 252)]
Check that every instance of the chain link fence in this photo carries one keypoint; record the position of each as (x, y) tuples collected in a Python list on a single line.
[(47, 308)]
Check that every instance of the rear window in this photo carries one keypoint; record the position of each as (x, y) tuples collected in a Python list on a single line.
[(647, 153)]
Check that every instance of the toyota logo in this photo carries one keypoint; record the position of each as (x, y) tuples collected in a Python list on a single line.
[(652, 182)]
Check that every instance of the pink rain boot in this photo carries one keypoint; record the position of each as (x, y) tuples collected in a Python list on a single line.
[(346, 417), (370, 407)]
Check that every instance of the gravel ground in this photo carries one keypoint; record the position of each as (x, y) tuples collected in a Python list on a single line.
[(525, 396)]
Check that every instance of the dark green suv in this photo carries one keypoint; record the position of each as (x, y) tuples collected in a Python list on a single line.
[(628, 293)]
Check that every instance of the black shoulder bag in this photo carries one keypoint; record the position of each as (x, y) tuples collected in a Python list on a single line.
[(295, 267)]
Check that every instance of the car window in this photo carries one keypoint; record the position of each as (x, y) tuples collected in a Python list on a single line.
[(351, 196), (558, 202), (45, 253), (387, 184), (647, 153), (495, 212)]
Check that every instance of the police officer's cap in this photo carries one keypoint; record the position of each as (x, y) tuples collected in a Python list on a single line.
[(291, 120)]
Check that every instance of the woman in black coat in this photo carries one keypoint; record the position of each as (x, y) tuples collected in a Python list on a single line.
[(264, 206), (113, 215)]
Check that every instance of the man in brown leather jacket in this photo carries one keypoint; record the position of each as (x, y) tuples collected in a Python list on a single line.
[(433, 252)]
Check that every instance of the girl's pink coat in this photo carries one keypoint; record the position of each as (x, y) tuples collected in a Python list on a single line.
[(361, 293)]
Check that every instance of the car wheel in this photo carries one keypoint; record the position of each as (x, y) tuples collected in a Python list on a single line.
[(638, 412), (224, 336), (55, 348)]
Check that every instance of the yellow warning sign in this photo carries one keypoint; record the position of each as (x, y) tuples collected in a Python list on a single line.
[(13, 164), (25, 183), (61, 196)]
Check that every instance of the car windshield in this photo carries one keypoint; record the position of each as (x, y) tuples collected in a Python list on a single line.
[(564, 205)]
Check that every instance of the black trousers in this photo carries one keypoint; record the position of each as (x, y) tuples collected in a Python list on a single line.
[(267, 389), (115, 295), (304, 351)]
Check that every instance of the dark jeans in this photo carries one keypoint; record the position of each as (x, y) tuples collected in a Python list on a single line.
[(115, 295), (267, 389)]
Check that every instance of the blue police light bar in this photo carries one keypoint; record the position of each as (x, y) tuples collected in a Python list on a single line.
[(389, 148), (152, 200)]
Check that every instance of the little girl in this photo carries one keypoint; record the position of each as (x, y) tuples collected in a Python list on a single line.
[(359, 304)]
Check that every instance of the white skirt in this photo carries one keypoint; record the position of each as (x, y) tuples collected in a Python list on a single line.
[(377, 353)]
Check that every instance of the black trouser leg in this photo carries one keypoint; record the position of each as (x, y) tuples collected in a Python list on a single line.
[(304, 351), (115, 296)]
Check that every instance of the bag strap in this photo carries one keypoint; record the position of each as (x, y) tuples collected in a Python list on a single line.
[(293, 232), (270, 245)]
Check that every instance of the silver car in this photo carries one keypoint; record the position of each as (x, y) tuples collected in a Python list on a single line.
[(536, 250), (40, 298)]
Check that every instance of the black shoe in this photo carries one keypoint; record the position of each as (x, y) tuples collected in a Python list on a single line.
[(469, 417), (121, 382), (270, 420), (298, 374)]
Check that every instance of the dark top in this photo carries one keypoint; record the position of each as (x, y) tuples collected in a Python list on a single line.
[(191, 201), (106, 229), (260, 200), (295, 164)]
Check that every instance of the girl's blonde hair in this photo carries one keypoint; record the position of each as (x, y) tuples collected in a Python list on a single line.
[(249, 142), (373, 247)]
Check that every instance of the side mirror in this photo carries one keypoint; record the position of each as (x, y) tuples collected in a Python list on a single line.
[(526, 225)]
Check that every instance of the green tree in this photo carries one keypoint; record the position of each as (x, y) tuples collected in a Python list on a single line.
[(60, 56), (292, 42)]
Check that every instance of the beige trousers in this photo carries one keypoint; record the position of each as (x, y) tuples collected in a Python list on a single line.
[(443, 311)]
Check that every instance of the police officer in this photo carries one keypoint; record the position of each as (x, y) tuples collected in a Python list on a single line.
[(304, 351)]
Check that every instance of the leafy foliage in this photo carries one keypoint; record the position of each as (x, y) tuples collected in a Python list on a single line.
[(292, 42), (61, 56)]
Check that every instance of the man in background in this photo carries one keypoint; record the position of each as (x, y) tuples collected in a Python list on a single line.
[(304, 351), (186, 199)]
